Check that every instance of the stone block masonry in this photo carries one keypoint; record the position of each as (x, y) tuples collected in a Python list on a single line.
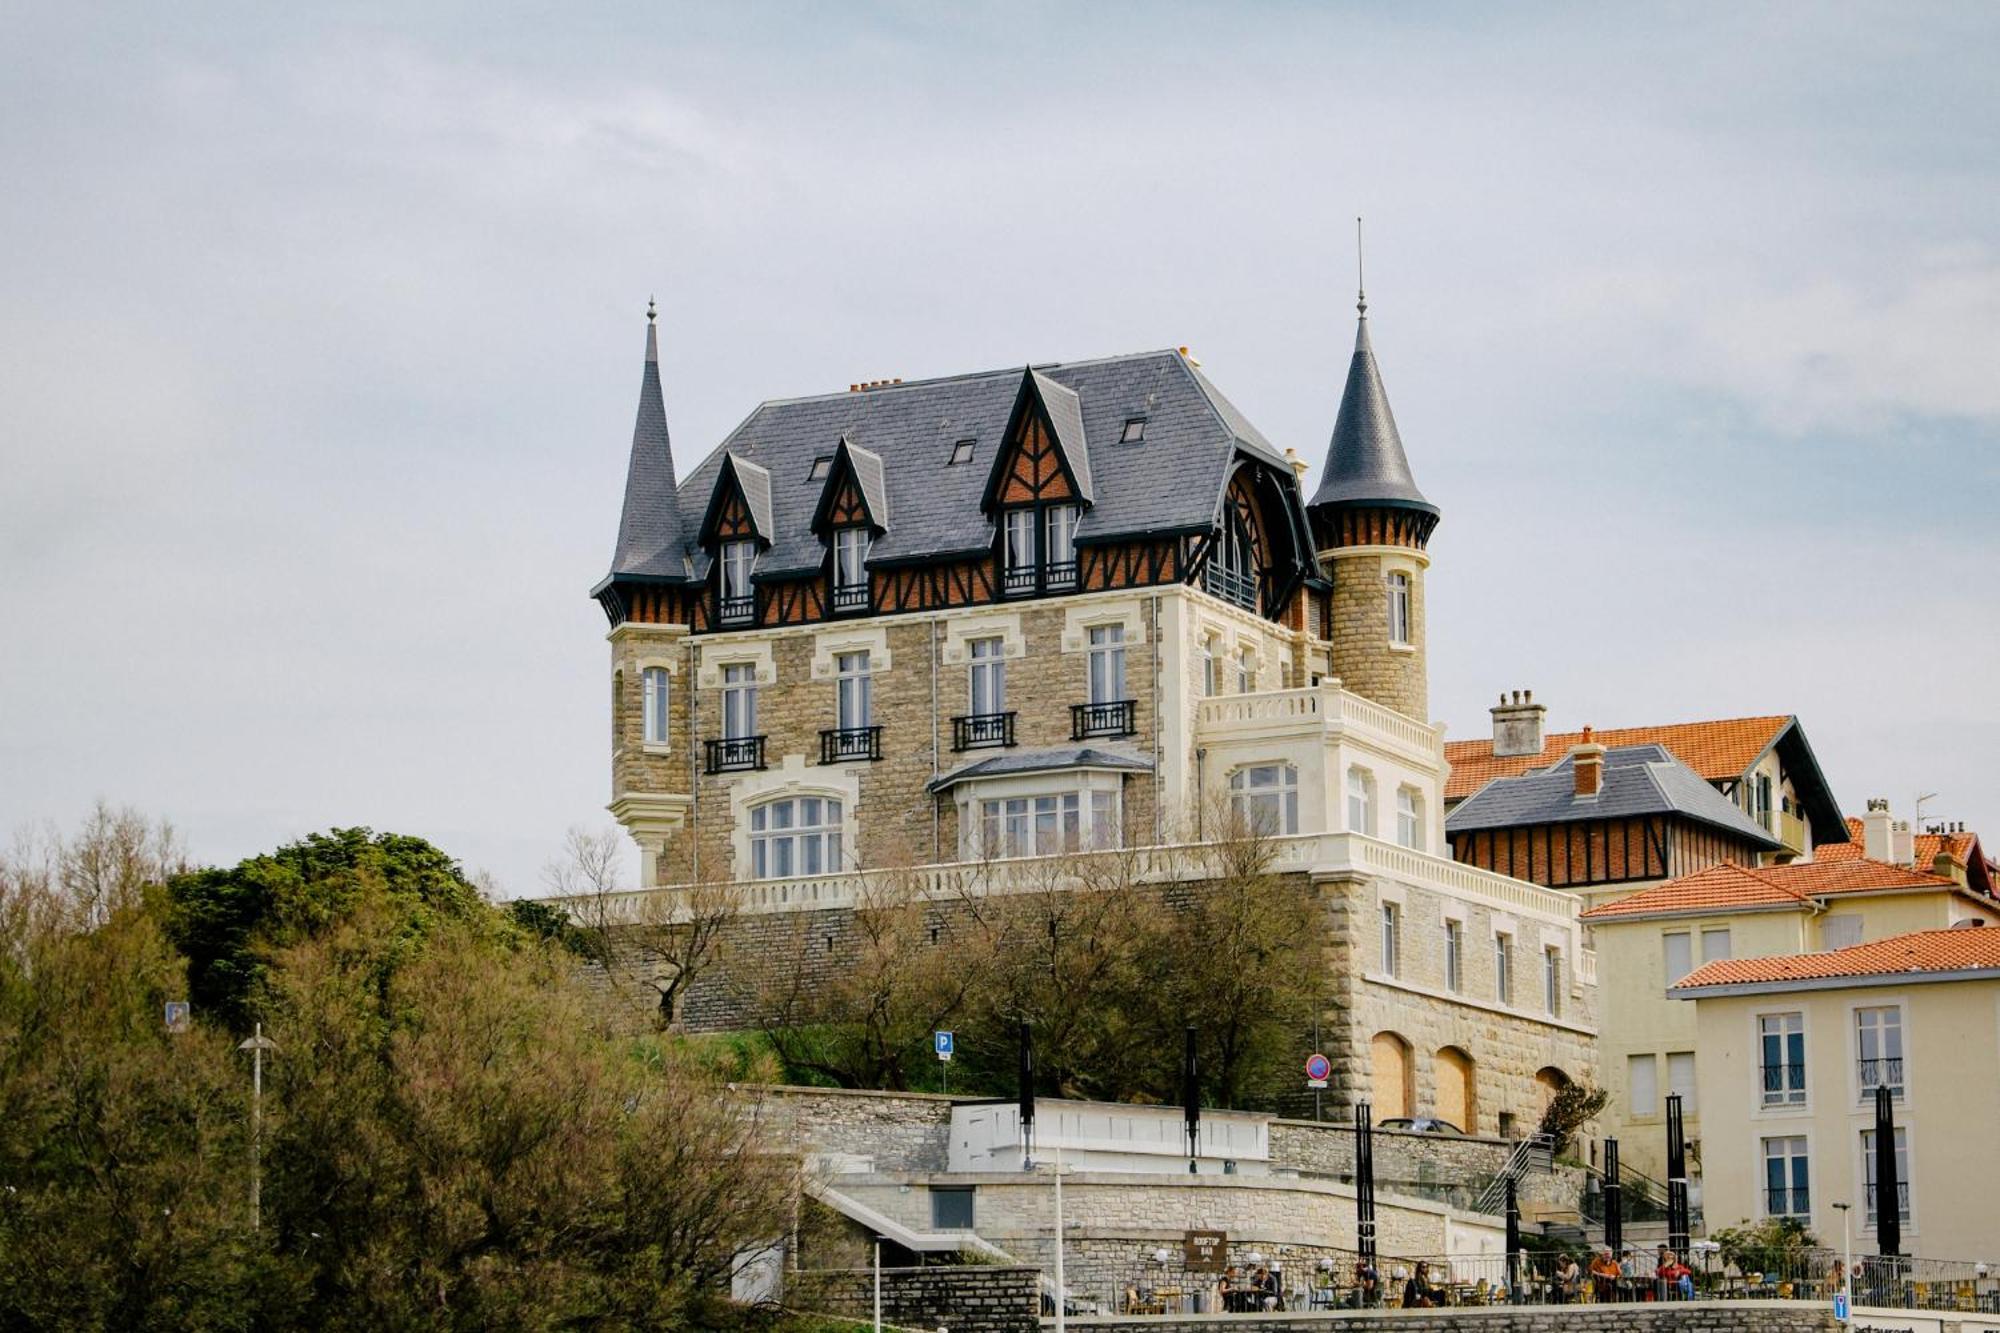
[(1693, 1317), (964, 1298)]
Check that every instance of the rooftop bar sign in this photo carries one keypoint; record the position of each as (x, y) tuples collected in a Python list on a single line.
[(1205, 1251)]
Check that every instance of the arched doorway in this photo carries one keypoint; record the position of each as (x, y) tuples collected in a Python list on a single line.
[(1548, 1082), (1393, 1069), (1457, 1096)]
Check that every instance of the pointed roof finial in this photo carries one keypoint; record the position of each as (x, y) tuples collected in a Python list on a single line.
[(1360, 274), (651, 310)]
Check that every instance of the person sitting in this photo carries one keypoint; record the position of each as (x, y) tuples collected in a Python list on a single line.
[(1265, 1289), (1367, 1285), (1676, 1278), (1604, 1276), (1232, 1291), (1419, 1293)]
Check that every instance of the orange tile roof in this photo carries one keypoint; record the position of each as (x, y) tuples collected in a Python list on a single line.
[(1716, 750), (1729, 886), (1899, 955), (1958, 846)]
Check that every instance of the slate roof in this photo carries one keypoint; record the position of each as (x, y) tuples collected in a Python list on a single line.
[(1042, 761), (651, 535), (1066, 415), (1365, 461), (1170, 481), (1638, 780), (1900, 957), (1728, 886)]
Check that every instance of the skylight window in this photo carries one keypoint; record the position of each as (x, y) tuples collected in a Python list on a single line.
[(961, 453), (1135, 430), (819, 467)]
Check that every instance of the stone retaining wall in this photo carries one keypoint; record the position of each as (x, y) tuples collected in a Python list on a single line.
[(964, 1298), (900, 1131), (1696, 1317), (1420, 1159)]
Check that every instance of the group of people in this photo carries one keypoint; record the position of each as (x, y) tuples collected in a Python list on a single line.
[(1262, 1289), (1632, 1277)]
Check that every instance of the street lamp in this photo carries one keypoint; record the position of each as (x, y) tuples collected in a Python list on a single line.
[(1847, 1260), (257, 1045)]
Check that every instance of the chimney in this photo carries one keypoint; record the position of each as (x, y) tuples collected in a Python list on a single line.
[(1587, 758), (1517, 726), (1295, 463), (1903, 844), (1943, 866), (1875, 829)]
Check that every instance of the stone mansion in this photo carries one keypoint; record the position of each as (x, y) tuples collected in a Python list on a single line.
[(1030, 612)]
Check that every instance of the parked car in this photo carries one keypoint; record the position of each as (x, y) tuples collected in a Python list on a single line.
[(1423, 1124)]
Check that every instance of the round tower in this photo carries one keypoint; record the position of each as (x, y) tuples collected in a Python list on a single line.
[(1371, 526)]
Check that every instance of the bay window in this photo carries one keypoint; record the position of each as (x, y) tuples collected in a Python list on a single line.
[(654, 696), (1047, 824)]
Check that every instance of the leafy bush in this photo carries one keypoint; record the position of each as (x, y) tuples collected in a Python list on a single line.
[(1572, 1107), (1776, 1244)]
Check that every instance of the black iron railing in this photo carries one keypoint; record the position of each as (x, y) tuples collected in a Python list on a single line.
[(1018, 580), (1231, 586), (1060, 575), (1021, 580), (1784, 1083), (1782, 1202), (736, 610), (839, 745), (980, 731), (734, 754), (1874, 1073), (850, 597), (1902, 1200), (1111, 719)]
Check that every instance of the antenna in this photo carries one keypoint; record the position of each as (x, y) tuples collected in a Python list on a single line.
[(1360, 274)]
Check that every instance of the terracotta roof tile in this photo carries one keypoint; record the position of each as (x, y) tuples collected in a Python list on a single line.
[(1727, 885), (1956, 845), (1716, 750), (1923, 951)]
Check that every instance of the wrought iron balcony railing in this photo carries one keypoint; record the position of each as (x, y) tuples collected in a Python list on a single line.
[(1902, 1200), (841, 745), (1022, 580), (736, 610), (734, 754), (1108, 719), (1230, 585), (1784, 1084), (850, 597), (1060, 576), (979, 731), (1782, 1202), (1874, 1073)]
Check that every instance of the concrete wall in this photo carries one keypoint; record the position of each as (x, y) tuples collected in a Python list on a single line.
[(965, 1298)]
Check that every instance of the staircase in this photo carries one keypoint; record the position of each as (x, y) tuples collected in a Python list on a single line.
[(1535, 1154)]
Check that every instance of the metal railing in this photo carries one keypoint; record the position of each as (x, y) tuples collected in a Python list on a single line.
[(1902, 1200), (1022, 580), (736, 610), (1793, 1202), (1108, 719), (1059, 575), (839, 745), (1874, 1073), (979, 731), (1534, 1153), (1784, 1084), (850, 596), (1230, 585), (734, 754)]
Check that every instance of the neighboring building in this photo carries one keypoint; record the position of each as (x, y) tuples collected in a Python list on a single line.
[(1652, 940), (1789, 1053), (991, 617), (1949, 850), (1762, 765), (1604, 820)]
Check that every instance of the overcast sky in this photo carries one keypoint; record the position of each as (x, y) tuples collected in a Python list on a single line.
[(322, 340)]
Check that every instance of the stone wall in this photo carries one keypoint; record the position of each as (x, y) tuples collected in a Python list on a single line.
[(1695, 1317), (1418, 1163), (909, 1131), (1363, 658), (964, 1298)]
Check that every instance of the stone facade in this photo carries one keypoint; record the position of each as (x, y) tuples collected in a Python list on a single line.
[(906, 1131), (1364, 659), (1694, 1317), (965, 1298)]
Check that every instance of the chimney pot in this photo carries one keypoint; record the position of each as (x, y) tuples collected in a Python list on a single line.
[(1517, 725), (1587, 759)]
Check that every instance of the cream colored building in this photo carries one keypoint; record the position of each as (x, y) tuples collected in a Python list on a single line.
[(1648, 942), (1789, 1051)]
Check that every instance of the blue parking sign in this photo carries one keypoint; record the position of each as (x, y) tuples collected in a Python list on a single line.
[(944, 1044)]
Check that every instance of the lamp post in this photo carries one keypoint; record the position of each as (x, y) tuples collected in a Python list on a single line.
[(1847, 1260), (257, 1045), (1061, 1314)]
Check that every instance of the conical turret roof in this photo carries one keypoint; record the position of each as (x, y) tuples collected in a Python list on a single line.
[(1365, 462), (651, 541)]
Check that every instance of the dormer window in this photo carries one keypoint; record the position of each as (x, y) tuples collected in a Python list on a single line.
[(850, 569), (738, 601), (1039, 549), (1232, 570), (1059, 546)]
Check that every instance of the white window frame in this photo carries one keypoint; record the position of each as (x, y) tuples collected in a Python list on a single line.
[(1018, 544), (656, 711), (1454, 955), (1264, 798), (1392, 932), (1798, 1150), (1246, 670), (1399, 608), (854, 691), (783, 845), (737, 559), (1786, 1098), (850, 557), (1410, 818), (1106, 661), (1503, 968), (1047, 823), (1211, 666), (1059, 535), (1885, 1034), (986, 675), (1360, 801), (739, 701), (1552, 980)]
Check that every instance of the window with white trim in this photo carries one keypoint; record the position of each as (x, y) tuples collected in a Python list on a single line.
[(1409, 818), (850, 559), (1399, 608), (1878, 1049), (1781, 1059), (1391, 939), (737, 557), (1870, 1211), (1059, 542), (795, 835), (1048, 823), (1265, 798), (655, 687), (1107, 664), (1360, 801), (1787, 1177), (739, 701), (1503, 968), (855, 691), (1020, 543), (989, 676), (1552, 977)]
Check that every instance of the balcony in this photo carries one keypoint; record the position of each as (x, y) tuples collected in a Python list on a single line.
[(1094, 720), (1322, 711), (1902, 1201), (982, 731), (842, 745), (1874, 1073), (735, 754), (1059, 577), (736, 610), (1230, 585), (1791, 830), (849, 598), (1027, 580)]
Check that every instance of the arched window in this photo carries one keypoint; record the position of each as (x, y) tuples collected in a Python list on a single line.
[(1265, 798), (1457, 1093), (1232, 570), (1392, 1083), (655, 696), (795, 835)]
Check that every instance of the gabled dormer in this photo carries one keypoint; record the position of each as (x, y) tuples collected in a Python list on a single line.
[(853, 510), (1039, 488), (736, 526)]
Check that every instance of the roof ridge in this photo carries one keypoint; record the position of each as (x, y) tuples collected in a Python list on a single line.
[(967, 376)]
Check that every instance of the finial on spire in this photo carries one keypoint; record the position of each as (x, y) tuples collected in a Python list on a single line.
[(1360, 274), (651, 310)]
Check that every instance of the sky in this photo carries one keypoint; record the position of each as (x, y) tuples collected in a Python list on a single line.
[(320, 341)]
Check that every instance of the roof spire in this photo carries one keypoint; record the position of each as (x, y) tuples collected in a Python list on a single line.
[(650, 531), (652, 333), (1360, 274)]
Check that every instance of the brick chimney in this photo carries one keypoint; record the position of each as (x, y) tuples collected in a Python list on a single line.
[(1517, 725), (1587, 758), (1876, 831)]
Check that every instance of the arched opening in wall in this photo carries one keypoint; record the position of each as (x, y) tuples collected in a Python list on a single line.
[(1392, 1084), (1548, 1082), (1457, 1095)]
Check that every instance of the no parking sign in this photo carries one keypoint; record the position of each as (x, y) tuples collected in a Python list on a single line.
[(1318, 1068)]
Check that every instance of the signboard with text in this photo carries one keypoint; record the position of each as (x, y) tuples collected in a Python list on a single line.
[(1205, 1251)]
